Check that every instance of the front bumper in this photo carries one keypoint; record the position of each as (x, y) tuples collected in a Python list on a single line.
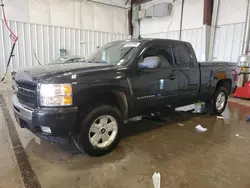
[(61, 121)]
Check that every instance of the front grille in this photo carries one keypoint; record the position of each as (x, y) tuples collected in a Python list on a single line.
[(26, 95)]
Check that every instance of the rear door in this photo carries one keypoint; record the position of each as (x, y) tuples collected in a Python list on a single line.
[(189, 74)]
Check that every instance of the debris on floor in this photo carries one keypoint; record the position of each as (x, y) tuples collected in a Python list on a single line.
[(248, 118), (156, 180), (239, 136), (180, 124), (220, 117), (200, 129), (227, 115), (199, 108), (37, 140)]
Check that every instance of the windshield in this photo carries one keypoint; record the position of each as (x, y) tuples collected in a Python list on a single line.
[(116, 53)]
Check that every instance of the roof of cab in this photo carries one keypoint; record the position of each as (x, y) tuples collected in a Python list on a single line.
[(152, 39)]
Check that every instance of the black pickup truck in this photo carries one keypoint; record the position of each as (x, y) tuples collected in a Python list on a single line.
[(89, 101)]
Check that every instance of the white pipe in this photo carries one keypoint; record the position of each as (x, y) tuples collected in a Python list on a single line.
[(246, 39), (216, 8)]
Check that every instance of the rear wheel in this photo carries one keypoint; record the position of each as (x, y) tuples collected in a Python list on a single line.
[(218, 103), (100, 131)]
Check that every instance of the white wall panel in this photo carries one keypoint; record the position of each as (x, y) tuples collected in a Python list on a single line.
[(102, 16), (17, 10), (194, 36), (87, 15), (40, 12), (71, 13), (46, 41), (228, 34), (232, 11), (228, 42), (62, 13), (230, 30), (46, 26), (168, 27), (120, 21), (192, 17)]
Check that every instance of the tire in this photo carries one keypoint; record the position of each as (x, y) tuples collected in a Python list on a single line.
[(94, 139), (216, 106)]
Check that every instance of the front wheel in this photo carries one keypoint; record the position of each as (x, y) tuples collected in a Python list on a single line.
[(100, 131), (218, 103)]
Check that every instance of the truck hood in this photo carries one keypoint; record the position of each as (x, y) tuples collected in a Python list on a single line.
[(35, 74)]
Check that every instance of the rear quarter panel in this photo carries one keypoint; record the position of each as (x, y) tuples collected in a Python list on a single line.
[(212, 73)]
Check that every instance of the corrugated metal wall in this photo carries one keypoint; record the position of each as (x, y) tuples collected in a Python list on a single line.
[(194, 36), (46, 42), (228, 42)]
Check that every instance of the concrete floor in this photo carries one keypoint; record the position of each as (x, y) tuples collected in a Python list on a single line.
[(185, 158)]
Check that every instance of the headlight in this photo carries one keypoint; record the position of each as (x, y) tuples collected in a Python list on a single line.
[(55, 95)]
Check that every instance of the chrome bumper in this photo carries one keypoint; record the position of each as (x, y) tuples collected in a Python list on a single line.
[(22, 111), (61, 121)]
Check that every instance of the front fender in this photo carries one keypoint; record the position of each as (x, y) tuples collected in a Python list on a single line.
[(87, 93)]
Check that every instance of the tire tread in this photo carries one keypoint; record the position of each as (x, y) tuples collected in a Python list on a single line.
[(93, 113)]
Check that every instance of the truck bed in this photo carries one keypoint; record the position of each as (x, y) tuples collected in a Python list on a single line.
[(217, 63), (208, 70)]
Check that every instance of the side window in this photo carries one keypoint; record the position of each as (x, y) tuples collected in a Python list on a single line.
[(77, 60), (69, 61), (164, 53), (182, 55)]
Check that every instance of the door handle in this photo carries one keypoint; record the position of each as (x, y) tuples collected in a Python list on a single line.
[(172, 77)]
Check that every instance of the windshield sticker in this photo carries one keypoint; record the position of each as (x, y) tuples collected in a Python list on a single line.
[(132, 45)]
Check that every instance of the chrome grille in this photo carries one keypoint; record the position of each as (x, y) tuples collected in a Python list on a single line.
[(26, 95), (26, 92)]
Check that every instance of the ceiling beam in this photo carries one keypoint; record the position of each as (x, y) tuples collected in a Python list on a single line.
[(207, 12)]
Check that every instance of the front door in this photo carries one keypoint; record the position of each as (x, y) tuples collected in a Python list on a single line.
[(156, 86)]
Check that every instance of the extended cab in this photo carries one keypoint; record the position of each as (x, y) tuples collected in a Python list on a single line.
[(89, 101)]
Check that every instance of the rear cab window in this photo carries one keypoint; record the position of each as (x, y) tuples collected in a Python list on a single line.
[(182, 55)]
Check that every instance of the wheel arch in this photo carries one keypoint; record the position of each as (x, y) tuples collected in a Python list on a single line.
[(116, 98), (226, 83)]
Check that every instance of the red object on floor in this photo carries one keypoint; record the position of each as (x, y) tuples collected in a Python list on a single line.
[(243, 92)]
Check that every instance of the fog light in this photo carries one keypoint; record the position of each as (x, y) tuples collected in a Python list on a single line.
[(46, 129)]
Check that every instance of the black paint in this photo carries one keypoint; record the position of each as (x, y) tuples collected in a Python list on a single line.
[(179, 80)]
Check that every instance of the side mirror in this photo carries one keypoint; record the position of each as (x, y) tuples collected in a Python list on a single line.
[(151, 62)]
